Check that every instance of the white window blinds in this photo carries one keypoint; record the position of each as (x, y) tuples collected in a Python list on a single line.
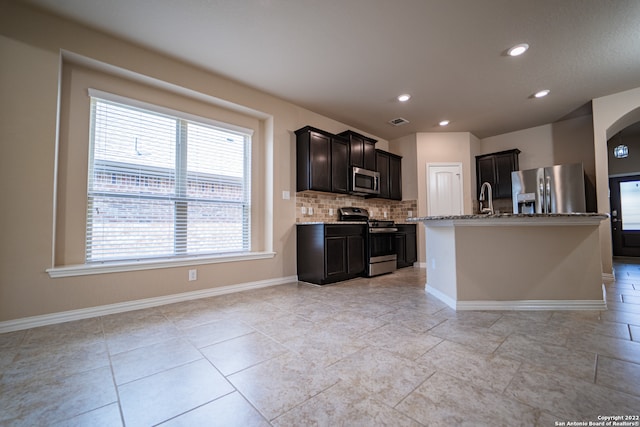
[(162, 185)]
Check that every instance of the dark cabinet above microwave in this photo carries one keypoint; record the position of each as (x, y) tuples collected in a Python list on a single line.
[(362, 150)]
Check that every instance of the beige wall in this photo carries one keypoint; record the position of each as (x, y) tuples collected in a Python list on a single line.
[(30, 46), (629, 165), (535, 145), (435, 147), (566, 141), (611, 114), (443, 147), (407, 148)]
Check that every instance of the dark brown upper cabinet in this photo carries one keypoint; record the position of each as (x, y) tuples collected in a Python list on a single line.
[(496, 168), (339, 165), (395, 177), (362, 150), (389, 166), (321, 161)]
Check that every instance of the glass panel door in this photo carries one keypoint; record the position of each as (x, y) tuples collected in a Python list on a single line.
[(630, 205)]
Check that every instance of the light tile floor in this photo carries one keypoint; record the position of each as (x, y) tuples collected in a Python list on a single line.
[(365, 352)]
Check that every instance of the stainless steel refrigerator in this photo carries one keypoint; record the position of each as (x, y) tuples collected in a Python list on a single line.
[(554, 189)]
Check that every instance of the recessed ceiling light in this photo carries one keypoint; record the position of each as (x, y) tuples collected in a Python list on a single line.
[(404, 97), (444, 122), (541, 94), (518, 49)]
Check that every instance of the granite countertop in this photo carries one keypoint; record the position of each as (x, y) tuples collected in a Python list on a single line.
[(332, 222), (511, 215), (406, 222)]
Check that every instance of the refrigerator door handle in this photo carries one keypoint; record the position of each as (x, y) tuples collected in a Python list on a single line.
[(547, 192), (542, 196)]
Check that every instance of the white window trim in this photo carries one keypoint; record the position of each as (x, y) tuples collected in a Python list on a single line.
[(151, 264), (266, 119), (180, 119)]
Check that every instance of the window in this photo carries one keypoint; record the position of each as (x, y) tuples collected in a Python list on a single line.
[(630, 205), (164, 184)]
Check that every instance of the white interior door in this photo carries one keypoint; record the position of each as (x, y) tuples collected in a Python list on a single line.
[(444, 187)]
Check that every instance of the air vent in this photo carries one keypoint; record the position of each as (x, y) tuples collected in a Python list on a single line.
[(399, 121)]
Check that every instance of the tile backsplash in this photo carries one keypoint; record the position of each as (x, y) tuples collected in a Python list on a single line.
[(325, 207)]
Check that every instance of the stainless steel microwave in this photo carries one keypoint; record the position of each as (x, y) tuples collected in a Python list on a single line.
[(364, 182)]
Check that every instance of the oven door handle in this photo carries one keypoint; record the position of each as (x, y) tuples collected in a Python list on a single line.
[(383, 230)]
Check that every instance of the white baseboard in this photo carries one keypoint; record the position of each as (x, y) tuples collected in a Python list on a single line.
[(441, 296), (559, 305), (523, 305), (103, 310)]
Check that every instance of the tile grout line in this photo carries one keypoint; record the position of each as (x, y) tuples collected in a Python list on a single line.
[(113, 374), (193, 409), (414, 389), (303, 402)]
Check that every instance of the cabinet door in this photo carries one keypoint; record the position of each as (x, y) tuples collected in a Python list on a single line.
[(355, 256), (496, 169), (395, 178), (320, 162), (505, 164), (411, 248), (486, 173), (369, 154), (401, 245), (339, 166), (335, 256), (382, 166), (356, 155)]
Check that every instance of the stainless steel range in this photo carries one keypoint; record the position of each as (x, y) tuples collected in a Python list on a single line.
[(380, 241)]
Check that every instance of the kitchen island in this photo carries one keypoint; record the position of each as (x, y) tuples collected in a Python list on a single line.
[(515, 261)]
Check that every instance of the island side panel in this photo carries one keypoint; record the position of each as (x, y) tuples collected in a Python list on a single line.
[(515, 263), (441, 263)]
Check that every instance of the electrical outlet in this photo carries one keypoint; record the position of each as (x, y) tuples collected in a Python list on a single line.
[(310, 210), (410, 214), (193, 275), (385, 214), (330, 211), (286, 195), (303, 210)]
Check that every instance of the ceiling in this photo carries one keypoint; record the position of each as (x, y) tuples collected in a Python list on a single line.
[(350, 59)]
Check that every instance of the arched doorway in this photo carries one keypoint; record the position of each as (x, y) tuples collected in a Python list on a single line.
[(624, 190), (611, 114)]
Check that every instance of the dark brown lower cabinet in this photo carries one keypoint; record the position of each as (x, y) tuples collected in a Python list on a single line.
[(328, 253), (406, 245)]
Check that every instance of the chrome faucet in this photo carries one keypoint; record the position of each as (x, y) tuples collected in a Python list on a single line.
[(488, 210)]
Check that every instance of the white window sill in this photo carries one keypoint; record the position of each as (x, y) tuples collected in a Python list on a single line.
[(119, 267)]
